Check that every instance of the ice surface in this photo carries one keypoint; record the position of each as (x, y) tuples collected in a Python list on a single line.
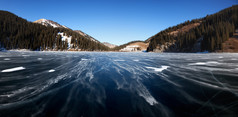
[(13, 69), (95, 77)]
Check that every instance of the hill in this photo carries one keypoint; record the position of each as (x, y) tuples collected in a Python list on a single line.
[(205, 34), (133, 46), (109, 45)]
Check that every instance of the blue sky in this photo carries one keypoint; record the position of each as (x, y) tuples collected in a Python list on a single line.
[(116, 21)]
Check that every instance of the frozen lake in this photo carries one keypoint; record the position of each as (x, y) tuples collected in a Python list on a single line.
[(97, 84)]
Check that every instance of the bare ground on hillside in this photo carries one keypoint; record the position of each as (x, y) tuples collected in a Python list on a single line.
[(231, 45), (184, 28), (142, 45)]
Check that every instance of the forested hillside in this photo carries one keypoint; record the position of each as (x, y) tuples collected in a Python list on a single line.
[(205, 34), (18, 33)]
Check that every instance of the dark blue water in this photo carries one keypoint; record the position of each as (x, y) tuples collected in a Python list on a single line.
[(94, 84)]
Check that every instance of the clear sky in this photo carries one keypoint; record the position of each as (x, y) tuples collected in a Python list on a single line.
[(116, 21)]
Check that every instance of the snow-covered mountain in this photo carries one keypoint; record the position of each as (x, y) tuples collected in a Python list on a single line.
[(46, 22)]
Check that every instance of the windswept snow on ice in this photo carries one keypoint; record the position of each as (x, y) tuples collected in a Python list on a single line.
[(13, 69)]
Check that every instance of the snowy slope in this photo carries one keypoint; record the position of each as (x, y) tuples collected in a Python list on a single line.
[(64, 38), (46, 22)]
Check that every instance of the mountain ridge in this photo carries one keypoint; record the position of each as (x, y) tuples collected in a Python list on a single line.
[(47, 22)]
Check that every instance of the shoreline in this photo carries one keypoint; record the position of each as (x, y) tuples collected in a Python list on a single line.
[(27, 50)]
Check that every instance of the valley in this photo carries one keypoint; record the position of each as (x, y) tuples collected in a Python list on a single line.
[(213, 33)]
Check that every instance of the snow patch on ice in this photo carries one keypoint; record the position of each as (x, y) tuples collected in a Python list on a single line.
[(52, 70), (6, 59), (13, 69), (135, 60), (119, 60), (25, 55), (39, 58), (212, 62), (83, 59), (198, 63), (158, 69), (204, 63)]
